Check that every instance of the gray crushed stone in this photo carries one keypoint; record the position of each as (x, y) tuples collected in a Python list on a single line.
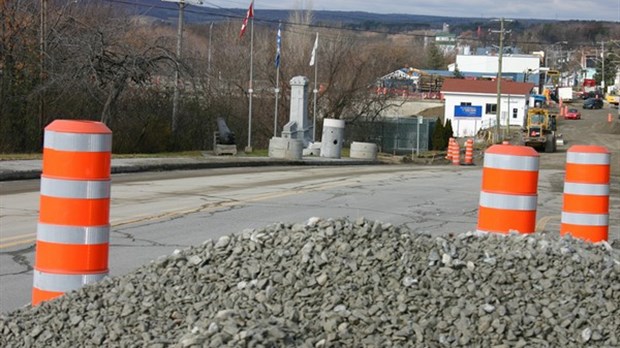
[(344, 283)]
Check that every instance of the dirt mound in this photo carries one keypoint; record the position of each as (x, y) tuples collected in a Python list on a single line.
[(437, 111)]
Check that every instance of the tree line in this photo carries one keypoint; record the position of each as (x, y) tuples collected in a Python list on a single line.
[(95, 62)]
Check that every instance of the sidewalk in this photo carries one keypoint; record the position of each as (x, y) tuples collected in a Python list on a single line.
[(31, 169)]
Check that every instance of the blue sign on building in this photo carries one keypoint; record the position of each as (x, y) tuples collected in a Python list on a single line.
[(467, 111)]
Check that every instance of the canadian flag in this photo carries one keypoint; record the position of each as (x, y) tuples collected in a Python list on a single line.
[(248, 15)]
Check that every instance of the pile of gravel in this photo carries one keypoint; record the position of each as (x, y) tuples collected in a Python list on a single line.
[(342, 283)]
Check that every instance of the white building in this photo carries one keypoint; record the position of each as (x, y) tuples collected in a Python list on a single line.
[(513, 63), (471, 105)]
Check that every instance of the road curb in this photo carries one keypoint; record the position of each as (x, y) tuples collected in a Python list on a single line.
[(12, 175)]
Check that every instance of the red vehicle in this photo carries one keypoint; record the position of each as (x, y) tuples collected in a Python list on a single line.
[(572, 114)]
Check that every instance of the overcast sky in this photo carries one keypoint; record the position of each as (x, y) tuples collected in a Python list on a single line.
[(606, 10)]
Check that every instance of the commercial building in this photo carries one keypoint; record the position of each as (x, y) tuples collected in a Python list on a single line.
[(471, 105)]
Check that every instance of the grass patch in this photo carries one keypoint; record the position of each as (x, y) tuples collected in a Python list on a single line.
[(193, 154), (20, 156), (38, 156), (254, 153)]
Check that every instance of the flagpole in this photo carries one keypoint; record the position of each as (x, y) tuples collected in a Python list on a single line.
[(275, 116), (315, 91), (277, 89), (250, 90)]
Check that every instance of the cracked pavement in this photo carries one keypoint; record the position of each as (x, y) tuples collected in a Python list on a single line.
[(154, 217)]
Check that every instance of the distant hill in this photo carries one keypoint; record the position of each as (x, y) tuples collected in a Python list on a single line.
[(543, 31), (167, 11)]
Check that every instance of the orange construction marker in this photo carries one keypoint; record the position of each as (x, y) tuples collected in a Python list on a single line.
[(74, 220), (585, 207), (469, 152), (450, 148), (456, 153), (509, 191)]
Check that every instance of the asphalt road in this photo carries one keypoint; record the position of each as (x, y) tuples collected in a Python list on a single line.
[(592, 129), (153, 214)]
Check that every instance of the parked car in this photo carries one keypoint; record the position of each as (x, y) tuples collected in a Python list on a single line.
[(612, 99), (572, 114), (593, 103)]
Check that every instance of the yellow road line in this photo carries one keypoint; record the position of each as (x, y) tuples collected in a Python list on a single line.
[(26, 240), (31, 238), (21, 236)]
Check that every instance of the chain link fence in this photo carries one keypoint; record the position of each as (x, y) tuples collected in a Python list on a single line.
[(395, 135)]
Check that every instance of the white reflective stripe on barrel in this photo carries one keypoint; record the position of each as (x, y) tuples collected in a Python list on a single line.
[(72, 234), (587, 158), (526, 163), (585, 219), (586, 189), (85, 189), (511, 202), (64, 282), (79, 142)]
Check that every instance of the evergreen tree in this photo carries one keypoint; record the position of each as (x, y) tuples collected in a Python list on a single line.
[(437, 140), (458, 74), (434, 58), (447, 133)]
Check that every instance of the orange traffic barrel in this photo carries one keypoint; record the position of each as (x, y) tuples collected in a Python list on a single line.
[(74, 216), (585, 206), (469, 152), (509, 192), (450, 147), (456, 153)]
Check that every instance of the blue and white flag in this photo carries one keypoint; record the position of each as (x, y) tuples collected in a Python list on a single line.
[(278, 45)]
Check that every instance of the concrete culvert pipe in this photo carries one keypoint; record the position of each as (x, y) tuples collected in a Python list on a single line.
[(363, 150), (333, 135)]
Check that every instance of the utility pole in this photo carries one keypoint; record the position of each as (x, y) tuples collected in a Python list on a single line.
[(499, 78), (209, 57), (42, 50), (175, 97), (603, 67)]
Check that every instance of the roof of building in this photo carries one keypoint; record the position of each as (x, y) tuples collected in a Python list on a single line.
[(485, 86)]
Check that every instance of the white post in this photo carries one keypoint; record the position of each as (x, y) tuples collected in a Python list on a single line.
[(417, 151)]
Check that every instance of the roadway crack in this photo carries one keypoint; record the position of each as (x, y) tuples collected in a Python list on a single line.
[(18, 256)]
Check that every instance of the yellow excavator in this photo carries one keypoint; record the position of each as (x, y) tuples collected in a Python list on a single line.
[(540, 130)]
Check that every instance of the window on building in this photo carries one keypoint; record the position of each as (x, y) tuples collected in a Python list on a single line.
[(491, 109), (465, 104), (515, 111)]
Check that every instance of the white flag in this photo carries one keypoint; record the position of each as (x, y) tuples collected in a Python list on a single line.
[(316, 45)]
